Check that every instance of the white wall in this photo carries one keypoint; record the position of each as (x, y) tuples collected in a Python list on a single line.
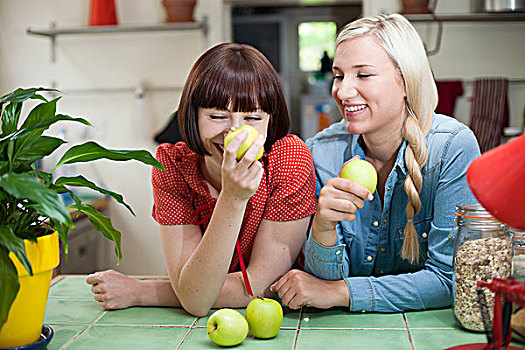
[(117, 60), (470, 50)]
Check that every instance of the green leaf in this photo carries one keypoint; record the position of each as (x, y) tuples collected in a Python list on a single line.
[(92, 151), (45, 201), (9, 284), (103, 225), (10, 150), (80, 181), (11, 242), (4, 165), (38, 149), (41, 112), (43, 125), (10, 117), (62, 234), (20, 95), (46, 177)]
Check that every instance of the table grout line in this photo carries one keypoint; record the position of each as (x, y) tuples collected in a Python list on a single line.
[(143, 325), (298, 328), (352, 329), (85, 329), (408, 332), (192, 327)]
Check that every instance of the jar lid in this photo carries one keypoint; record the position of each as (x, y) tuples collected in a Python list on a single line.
[(473, 211)]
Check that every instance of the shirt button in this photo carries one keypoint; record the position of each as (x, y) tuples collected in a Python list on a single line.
[(376, 223), (369, 258), (338, 252), (388, 188), (384, 220), (424, 235), (382, 249)]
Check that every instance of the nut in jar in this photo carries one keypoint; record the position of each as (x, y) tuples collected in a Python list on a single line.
[(482, 251)]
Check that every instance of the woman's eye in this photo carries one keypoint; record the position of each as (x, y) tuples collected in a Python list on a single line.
[(362, 75), (253, 117), (216, 116), (338, 76)]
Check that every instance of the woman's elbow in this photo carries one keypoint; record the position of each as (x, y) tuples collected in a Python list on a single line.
[(196, 309)]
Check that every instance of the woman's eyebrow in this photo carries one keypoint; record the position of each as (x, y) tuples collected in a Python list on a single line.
[(361, 65)]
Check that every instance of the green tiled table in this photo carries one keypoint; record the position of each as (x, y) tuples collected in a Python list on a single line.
[(80, 323)]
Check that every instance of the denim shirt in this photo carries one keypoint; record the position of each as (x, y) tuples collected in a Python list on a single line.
[(367, 253)]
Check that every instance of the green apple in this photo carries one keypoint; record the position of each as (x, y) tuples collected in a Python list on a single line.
[(264, 316), (246, 144), (227, 327), (361, 172)]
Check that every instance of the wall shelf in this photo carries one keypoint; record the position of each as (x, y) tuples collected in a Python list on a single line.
[(53, 31), (466, 17), (439, 19)]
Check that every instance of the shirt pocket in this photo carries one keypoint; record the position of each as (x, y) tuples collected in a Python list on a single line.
[(422, 228)]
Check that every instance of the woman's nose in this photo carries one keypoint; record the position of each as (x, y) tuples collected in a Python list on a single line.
[(236, 123), (346, 89)]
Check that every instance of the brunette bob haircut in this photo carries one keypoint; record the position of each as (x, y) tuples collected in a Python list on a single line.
[(232, 76)]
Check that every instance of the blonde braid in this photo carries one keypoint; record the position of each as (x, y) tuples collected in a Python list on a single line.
[(415, 157)]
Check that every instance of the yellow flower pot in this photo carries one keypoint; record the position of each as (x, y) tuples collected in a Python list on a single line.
[(26, 317)]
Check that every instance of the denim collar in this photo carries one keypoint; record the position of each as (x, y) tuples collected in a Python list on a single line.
[(357, 149)]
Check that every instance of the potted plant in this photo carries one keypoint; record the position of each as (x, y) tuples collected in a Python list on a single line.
[(32, 215)]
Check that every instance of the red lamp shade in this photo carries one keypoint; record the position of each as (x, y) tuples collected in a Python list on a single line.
[(497, 180)]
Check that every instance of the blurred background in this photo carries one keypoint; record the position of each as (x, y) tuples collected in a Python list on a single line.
[(126, 79)]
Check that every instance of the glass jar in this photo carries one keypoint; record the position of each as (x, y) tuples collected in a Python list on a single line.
[(518, 254), (482, 251)]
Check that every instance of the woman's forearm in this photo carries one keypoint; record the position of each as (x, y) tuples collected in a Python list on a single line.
[(156, 293), (324, 234), (161, 293), (202, 277)]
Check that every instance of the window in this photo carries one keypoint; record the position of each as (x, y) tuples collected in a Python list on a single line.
[(314, 39)]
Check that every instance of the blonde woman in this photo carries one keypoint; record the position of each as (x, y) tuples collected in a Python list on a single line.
[(386, 251)]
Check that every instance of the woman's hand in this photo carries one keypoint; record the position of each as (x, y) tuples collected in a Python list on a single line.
[(298, 288), (113, 290), (339, 200), (240, 179)]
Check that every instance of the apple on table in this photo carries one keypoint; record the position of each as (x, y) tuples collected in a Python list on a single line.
[(264, 316), (227, 327)]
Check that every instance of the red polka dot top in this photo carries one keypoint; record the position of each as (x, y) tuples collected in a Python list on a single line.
[(286, 192)]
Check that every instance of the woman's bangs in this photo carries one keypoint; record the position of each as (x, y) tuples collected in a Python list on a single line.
[(234, 91)]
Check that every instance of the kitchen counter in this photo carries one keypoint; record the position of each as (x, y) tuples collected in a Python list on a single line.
[(80, 323)]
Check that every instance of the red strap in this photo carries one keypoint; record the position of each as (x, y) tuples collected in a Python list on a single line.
[(243, 268), (195, 214)]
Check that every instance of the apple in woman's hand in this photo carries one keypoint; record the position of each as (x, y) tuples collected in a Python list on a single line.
[(227, 327), (361, 172), (252, 134), (264, 316)]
